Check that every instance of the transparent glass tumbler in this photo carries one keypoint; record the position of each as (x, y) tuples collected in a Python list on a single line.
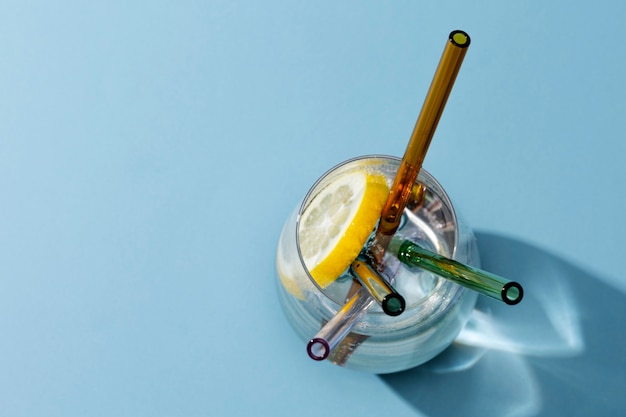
[(436, 309)]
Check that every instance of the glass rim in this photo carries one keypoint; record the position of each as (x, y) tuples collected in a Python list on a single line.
[(442, 284)]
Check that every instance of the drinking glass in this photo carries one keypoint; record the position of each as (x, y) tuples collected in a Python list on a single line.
[(436, 309)]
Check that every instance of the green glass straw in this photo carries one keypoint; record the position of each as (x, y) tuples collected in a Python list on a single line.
[(391, 302), (486, 283), (378, 287)]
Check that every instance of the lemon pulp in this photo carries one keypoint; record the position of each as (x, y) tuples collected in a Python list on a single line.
[(338, 221)]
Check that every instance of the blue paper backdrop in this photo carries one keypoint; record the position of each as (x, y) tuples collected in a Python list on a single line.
[(150, 152)]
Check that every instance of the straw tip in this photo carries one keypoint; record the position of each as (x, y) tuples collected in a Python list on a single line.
[(460, 38), (512, 293), (393, 304), (318, 349)]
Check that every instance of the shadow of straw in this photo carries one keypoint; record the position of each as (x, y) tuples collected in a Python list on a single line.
[(559, 352)]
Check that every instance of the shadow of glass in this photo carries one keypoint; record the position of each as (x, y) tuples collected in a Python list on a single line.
[(559, 352)]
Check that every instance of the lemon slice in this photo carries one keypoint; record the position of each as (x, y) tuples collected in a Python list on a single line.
[(338, 221)]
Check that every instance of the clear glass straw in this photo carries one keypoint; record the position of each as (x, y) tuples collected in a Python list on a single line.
[(338, 327), (450, 63), (486, 283)]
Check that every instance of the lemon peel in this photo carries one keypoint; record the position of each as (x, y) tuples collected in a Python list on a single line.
[(338, 221)]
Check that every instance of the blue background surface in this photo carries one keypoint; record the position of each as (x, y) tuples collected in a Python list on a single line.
[(151, 151)]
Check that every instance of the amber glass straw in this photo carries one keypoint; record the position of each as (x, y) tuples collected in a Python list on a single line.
[(423, 132), (411, 163), (450, 63)]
